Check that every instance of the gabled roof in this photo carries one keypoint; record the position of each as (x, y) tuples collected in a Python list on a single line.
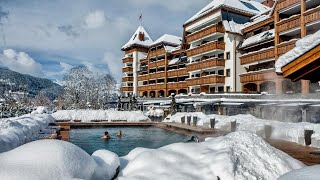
[(134, 40), (247, 6), (168, 39)]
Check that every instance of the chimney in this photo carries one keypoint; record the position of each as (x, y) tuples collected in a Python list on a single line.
[(268, 3), (141, 36)]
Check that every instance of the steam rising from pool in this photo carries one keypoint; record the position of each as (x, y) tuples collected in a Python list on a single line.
[(89, 139)]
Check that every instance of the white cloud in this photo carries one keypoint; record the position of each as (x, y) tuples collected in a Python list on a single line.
[(95, 19), (176, 5), (114, 64), (65, 67), (20, 62)]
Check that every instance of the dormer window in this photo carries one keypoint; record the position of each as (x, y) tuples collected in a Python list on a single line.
[(141, 36)]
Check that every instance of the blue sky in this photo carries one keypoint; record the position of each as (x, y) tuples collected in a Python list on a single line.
[(45, 38)]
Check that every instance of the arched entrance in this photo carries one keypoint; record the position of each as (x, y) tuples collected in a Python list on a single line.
[(152, 94), (145, 94), (183, 91), (250, 87), (161, 93), (172, 92), (289, 87), (268, 86)]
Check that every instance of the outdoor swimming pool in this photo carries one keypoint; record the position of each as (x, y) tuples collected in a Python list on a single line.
[(89, 139)]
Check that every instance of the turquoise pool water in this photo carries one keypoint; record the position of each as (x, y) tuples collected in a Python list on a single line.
[(89, 139)]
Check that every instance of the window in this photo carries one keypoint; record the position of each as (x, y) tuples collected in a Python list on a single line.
[(228, 72), (221, 56), (220, 72), (228, 88), (228, 55), (220, 89)]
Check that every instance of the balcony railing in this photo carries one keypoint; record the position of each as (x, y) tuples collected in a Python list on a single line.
[(258, 76), (157, 52), (205, 32), (126, 79), (285, 47), (143, 77), (157, 63), (257, 56), (211, 79), (212, 62), (177, 85), (178, 72), (127, 88), (312, 15), (127, 60), (282, 4), (127, 69), (157, 75), (205, 48), (290, 23)]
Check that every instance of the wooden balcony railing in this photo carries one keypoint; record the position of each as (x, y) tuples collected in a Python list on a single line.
[(312, 15), (212, 62), (211, 79), (144, 61), (289, 23), (205, 32), (127, 69), (157, 63), (257, 56), (157, 52), (177, 85), (127, 60), (157, 75), (285, 47), (127, 88), (143, 77), (205, 48), (126, 79), (178, 72), (286, 3), (258, 76)]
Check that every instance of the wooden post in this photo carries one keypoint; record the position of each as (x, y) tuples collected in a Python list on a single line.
[(307, 136), (212, 123), (233, 126)]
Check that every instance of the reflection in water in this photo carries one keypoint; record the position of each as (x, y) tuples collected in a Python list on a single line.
[(89, 139)]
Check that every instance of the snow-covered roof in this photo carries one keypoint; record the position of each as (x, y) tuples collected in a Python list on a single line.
[(168, 39), (247, 6), (302, 46), (258, 38), (231, 26), (134, 40)]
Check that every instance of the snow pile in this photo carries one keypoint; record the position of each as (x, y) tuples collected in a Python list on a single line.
[(40, 110), (155, 112), (99, 115), (302, 46), (292, 132), (309, 173), (54, 159), (239, 155), (20, 130), (267, 35)]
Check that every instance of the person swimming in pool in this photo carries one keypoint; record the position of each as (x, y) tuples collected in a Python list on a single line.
[(106, 136), (119, 134)]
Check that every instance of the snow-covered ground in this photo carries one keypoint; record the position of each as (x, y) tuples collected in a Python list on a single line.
[(307, 173), (104, 115), (20, 130), (239, 155), (292, 132)]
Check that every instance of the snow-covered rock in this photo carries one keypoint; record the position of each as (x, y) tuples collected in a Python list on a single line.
[(307, 173), (106, 115), (240, 155), (20, 130), (54, 159)]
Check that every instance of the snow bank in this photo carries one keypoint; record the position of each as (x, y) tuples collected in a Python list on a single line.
[(105, 115), (20, 130), (40, 110), (54, 159), (155, 112), (240, 155), (309, 173), (302, 46), (292, 132)]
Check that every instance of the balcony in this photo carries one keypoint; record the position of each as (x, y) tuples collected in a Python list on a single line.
[(127, 88), (212, 62), (157, 52), (268, 74), (288, 24), (143, 77), (157, 75), (286, 46), (157, 63), (178, 72), (211, 79), (206, 48), (177, 85), (257, 56), (312, 15), (127, 60), (127, 69), (127, 79), (205, 32), (283, 4)]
